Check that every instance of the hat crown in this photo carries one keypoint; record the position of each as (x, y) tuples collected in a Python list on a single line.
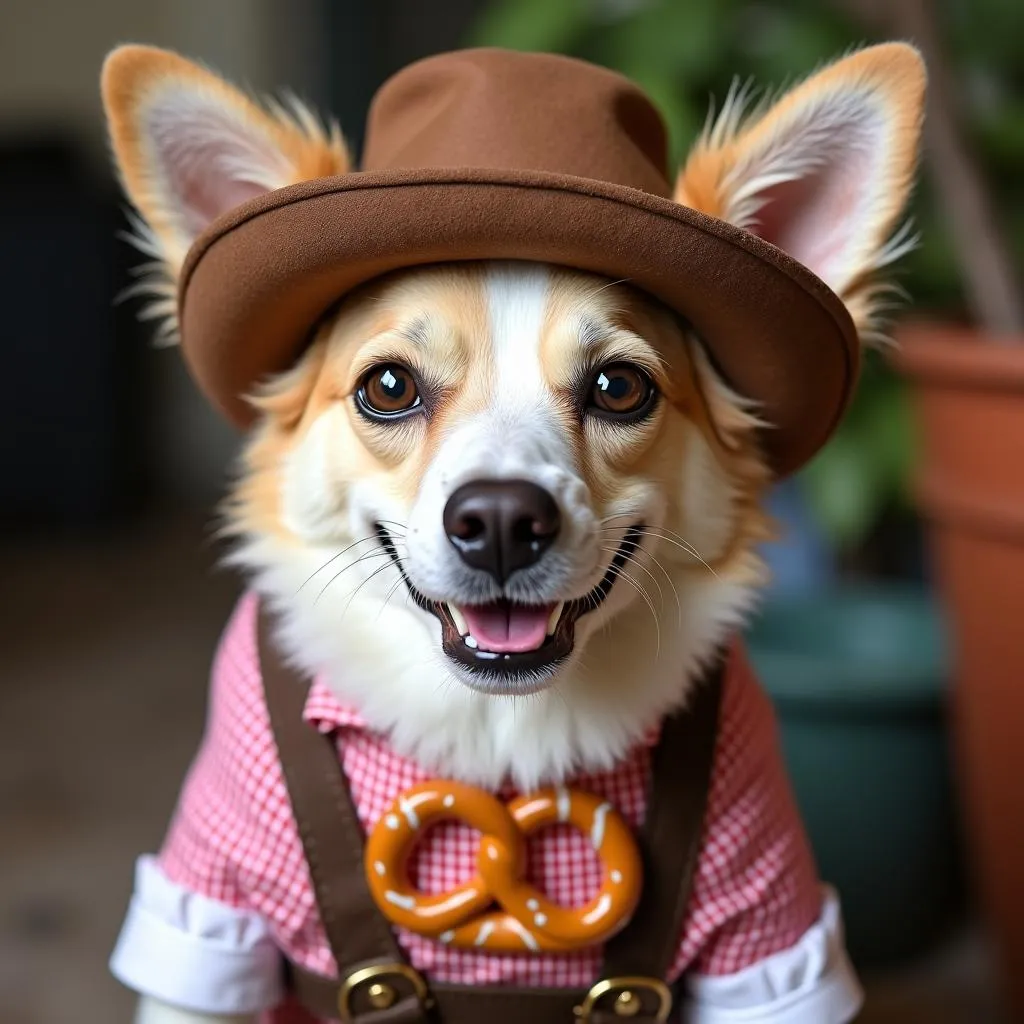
[(518, 111)]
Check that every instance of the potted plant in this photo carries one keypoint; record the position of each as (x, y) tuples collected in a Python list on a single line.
[(863, 724)]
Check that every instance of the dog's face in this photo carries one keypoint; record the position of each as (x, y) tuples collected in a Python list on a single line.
[(520, 450), (488, 480)]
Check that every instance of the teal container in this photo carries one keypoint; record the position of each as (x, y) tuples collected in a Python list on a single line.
[(859, 678)]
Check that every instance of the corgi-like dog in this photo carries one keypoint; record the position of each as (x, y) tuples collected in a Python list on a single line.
[(509, 457)]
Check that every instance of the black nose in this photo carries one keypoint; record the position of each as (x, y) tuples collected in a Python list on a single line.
[(500, 526)]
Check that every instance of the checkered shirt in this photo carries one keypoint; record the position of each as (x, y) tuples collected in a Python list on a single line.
[(234, 839)]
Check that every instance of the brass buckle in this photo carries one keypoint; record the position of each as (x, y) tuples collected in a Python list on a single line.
[(374, 975), (626, 1001)]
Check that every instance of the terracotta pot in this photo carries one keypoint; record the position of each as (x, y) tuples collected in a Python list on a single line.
[(970, 399)]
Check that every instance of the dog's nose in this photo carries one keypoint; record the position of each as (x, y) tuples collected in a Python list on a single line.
[(500, 526)]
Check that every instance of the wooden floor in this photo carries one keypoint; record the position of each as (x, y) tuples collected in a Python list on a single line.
[(103, 660)]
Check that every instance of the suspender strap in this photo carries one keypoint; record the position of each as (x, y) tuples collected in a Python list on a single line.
[(670, 840), (361, 939), (331, 835)]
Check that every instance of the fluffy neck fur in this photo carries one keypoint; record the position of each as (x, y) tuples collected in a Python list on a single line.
[(382, 660)]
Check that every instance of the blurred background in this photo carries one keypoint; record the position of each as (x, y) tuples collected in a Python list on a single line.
[(890, 640)]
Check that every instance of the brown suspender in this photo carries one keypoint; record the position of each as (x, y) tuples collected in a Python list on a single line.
[(361, 939)]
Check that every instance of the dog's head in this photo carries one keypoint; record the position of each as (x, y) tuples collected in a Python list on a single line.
[(493, 480)]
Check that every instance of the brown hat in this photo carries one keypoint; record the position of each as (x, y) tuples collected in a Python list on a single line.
[(488, 154)]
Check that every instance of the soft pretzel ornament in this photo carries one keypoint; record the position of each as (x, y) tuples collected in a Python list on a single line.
[(527, 921)]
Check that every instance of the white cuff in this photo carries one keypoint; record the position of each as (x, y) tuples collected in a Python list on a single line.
[(193, 952), (810, 983)]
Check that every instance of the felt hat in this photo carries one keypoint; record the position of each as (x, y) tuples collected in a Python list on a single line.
[(490, 154)]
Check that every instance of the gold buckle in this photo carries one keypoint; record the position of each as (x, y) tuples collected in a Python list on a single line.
[(627, 1004), (382, 995)]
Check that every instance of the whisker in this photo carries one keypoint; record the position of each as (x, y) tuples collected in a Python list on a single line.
[(352, 597), (334, 558), (672, 533), (593, 600), (668, 579), (668, 536), (656, 531), (684, 545), (607, 285), (631, 560), (638, 587), (390, 594), (558, 693), (650, 605), (362, 558), (445, 683), (632, 514)]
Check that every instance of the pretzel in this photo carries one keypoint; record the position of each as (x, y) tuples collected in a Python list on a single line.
[(527, 920)]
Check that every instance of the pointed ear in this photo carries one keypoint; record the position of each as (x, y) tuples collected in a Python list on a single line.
[(824, 172), (190, 147)]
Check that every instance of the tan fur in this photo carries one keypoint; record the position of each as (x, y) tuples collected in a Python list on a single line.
[(254, 506)]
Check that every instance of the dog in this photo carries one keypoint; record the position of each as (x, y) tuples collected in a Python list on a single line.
[(509, 510)]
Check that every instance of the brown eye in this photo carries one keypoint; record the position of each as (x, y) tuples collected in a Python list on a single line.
[(388, 391), (621, 391)]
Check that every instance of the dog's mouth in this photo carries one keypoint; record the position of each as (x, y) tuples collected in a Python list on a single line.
[(505, 643)]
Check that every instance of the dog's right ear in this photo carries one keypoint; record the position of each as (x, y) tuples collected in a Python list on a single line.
[(823, 172), (190, 147)]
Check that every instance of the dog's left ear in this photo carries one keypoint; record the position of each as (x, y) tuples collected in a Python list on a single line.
[(824, 172)]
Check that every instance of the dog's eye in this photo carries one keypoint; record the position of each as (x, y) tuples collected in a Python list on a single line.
[(621, 391), (388, 390)]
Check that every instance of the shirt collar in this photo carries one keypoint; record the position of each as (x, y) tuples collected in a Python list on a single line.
[(326, 714)]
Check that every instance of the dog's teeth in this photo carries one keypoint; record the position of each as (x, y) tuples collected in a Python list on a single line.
[(470, 641), (556, 614), (460, 622)]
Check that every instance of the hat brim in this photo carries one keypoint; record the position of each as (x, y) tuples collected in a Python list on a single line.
[(257, 281)]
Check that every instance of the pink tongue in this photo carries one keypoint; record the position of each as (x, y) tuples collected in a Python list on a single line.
[(507, 628)]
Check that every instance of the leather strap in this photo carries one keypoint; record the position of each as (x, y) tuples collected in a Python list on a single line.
[(331, 834), (357, 932), (670, 839)]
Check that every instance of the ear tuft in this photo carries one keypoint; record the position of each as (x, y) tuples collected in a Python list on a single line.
[(190, 147), (824, 172)]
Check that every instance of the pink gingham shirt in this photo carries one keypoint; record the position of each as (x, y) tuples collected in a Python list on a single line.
[(234, 840)]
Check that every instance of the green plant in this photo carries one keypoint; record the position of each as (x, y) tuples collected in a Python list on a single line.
[(682, 52)]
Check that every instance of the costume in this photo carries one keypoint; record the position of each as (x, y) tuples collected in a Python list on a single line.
[(231, 888), (459, 165)]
